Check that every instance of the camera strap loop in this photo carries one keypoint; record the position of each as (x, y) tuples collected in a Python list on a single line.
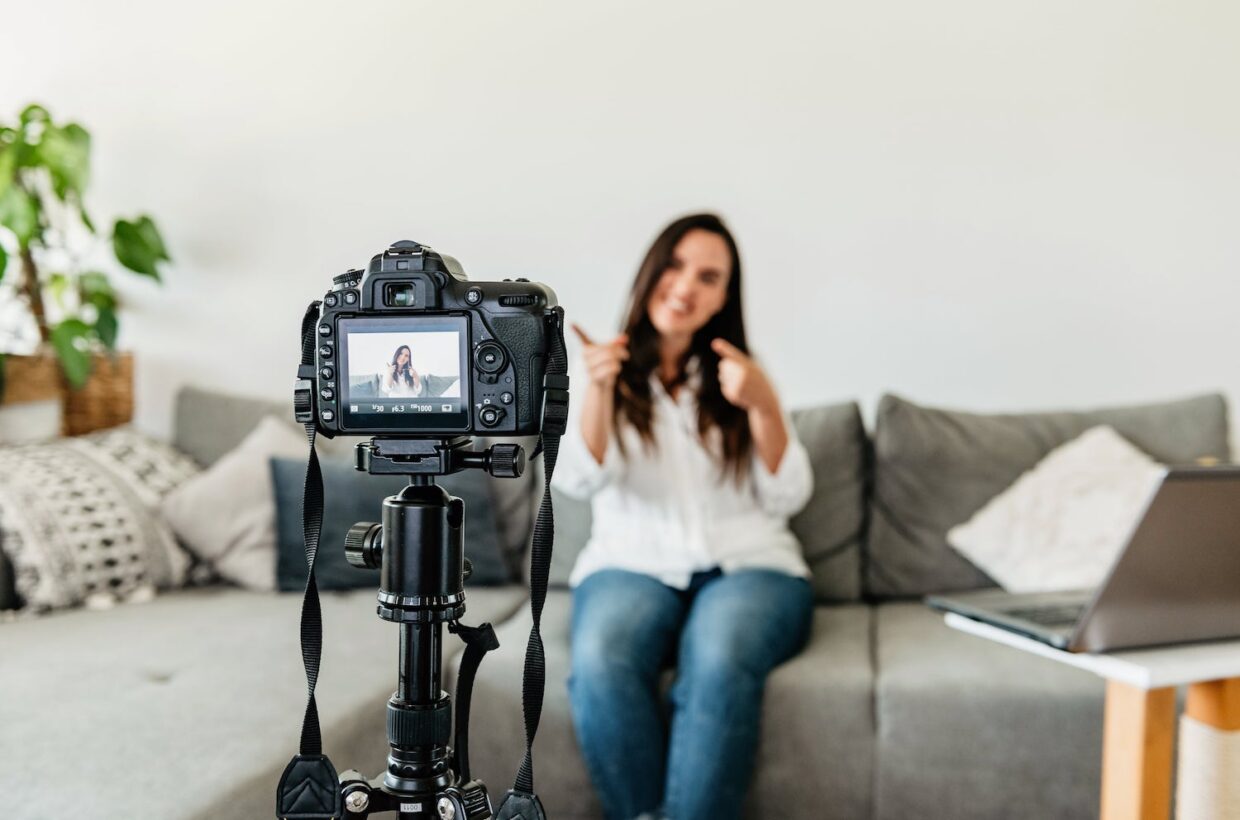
[(309, 788), (479, 640)]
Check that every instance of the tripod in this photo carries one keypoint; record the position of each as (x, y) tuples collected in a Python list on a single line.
[(418, 548)]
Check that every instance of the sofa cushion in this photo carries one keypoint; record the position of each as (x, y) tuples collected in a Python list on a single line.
[(977, 729), (815, 757), (831, 525), (79, 518), (210, 679), (829, 528), (935, 468), (209, 423)]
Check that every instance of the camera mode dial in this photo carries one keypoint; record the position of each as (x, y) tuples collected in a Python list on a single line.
[(350, 277)]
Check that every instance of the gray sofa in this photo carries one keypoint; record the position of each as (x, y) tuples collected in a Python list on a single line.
[(188, 707)]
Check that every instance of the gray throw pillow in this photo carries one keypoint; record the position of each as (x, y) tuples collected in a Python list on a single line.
[(830, 527), (351, 496), (935, 468)]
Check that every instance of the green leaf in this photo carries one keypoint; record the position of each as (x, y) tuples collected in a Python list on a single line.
[(20, 214), (34, 113), (86, 220), (106, 326), (139, 246), (65, 152), (4, 261), (57, 284), (69, 339), (8, 164), (95, 289)]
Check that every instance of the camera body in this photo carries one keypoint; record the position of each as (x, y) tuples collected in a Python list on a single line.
[(411, 348)]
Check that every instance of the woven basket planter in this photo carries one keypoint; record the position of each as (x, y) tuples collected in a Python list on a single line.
[(106, 399)]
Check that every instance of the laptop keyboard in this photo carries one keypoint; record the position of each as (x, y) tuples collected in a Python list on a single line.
[(1048, 615)]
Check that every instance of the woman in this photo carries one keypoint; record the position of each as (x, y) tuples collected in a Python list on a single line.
[(680, 441), (399, 377)]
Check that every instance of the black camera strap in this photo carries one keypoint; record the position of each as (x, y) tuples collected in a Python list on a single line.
[(310, 788), (521, 803)]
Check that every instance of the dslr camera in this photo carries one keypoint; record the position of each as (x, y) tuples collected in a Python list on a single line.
[(410, 348)]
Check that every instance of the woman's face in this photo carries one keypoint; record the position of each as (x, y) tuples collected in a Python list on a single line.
[(694, 287), (402, 358)]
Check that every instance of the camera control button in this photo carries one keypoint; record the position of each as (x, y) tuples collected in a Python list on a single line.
[(350, 297), (325, 351), (327, 393), (327, 415), (326, 372), (490, 415), (325, 330), (331, 300), (489, 357), (505, 398), (473, 296)]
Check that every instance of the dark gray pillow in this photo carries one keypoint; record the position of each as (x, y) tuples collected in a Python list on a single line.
[(351, 496), (8, 587), (935, 468), (829, 528)]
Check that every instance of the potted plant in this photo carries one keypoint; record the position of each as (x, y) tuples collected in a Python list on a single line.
[(48, 249)]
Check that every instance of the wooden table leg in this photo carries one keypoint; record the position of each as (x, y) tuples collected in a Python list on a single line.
[(1215, 703), (1138, 739)]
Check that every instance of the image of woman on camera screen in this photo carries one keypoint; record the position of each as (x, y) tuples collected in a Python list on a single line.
[(400, 379), (679, 440)]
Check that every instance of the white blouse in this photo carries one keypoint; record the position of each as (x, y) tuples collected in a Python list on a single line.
[(668, 511)]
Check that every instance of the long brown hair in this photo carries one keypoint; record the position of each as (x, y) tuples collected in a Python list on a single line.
[(634, 402)]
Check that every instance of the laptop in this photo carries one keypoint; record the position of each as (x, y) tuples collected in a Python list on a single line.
[(1177, 580)]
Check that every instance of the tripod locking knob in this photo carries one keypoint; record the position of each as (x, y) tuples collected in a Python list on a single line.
[(363, 545), (507, 460)]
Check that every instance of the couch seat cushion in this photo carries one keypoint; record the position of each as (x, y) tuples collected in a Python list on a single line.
[(816, 753), (192, 704), (976, 729)]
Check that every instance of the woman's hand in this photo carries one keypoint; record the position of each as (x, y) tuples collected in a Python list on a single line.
[(743, 383), (603, 361)]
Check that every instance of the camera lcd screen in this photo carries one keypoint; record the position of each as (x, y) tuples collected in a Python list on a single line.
[(405, 373)]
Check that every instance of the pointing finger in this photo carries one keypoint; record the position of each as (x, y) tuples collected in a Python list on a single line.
[(581, 334), (727, 350)]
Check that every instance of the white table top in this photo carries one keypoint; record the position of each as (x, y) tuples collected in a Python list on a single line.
[(1143, 668)]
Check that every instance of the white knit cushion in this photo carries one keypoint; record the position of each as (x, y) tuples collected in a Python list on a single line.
[(1061, 525), (227, 516), (79, 518)]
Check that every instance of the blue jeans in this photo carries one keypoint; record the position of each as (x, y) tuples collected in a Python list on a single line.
[(725, 634)]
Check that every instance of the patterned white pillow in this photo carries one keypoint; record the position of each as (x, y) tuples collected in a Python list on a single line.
[(79, 518), (1061, 525)]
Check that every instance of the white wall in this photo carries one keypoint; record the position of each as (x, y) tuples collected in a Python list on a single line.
[(992, 205)]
